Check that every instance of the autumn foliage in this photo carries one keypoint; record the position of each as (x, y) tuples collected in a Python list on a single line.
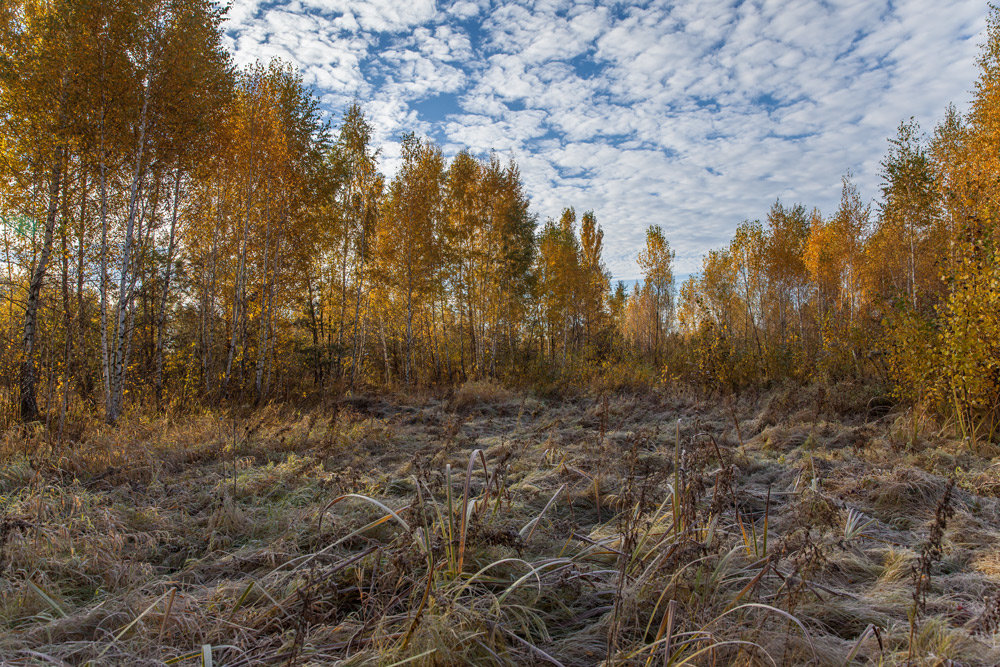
[(199, 233)]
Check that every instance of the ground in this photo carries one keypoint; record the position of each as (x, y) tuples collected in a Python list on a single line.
[(798, 526)]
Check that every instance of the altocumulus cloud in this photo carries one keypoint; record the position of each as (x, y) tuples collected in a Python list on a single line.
[(691, 114)]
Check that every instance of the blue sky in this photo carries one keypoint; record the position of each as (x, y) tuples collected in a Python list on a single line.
[(691, 114)]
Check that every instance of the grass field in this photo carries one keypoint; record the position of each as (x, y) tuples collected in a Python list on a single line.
[(494, 527)]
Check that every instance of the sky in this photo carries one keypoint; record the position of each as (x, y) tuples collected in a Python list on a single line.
[(690, 114)]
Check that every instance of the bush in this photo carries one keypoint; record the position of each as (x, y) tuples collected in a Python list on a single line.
[(476, 392)]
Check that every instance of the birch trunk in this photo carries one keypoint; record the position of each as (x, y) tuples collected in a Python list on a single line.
[(161, 317), (114, 406), (29, 403)]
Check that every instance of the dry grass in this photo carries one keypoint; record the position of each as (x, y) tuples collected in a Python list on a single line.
[(479, 394), (496, 528)]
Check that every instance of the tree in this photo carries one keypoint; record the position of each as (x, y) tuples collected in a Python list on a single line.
[(747, 251), (175, 50), (786, 236), (595, 276), (37, 92), (656, 262), (907, 236), (358, 206), (461, 250), (408, 247), (559, 281)]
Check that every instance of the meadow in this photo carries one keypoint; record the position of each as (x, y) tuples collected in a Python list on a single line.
[(490, 526)]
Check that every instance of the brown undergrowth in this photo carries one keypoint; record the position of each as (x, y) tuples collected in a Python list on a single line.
[(495, 527)]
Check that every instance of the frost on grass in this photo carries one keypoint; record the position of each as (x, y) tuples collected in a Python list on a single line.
[(492, 527)]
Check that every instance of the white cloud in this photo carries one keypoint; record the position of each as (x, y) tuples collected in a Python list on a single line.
[(694, 114), (378, 15)]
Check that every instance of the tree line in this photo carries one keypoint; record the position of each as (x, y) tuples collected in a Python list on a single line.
[(200, 233), (903, 292)]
